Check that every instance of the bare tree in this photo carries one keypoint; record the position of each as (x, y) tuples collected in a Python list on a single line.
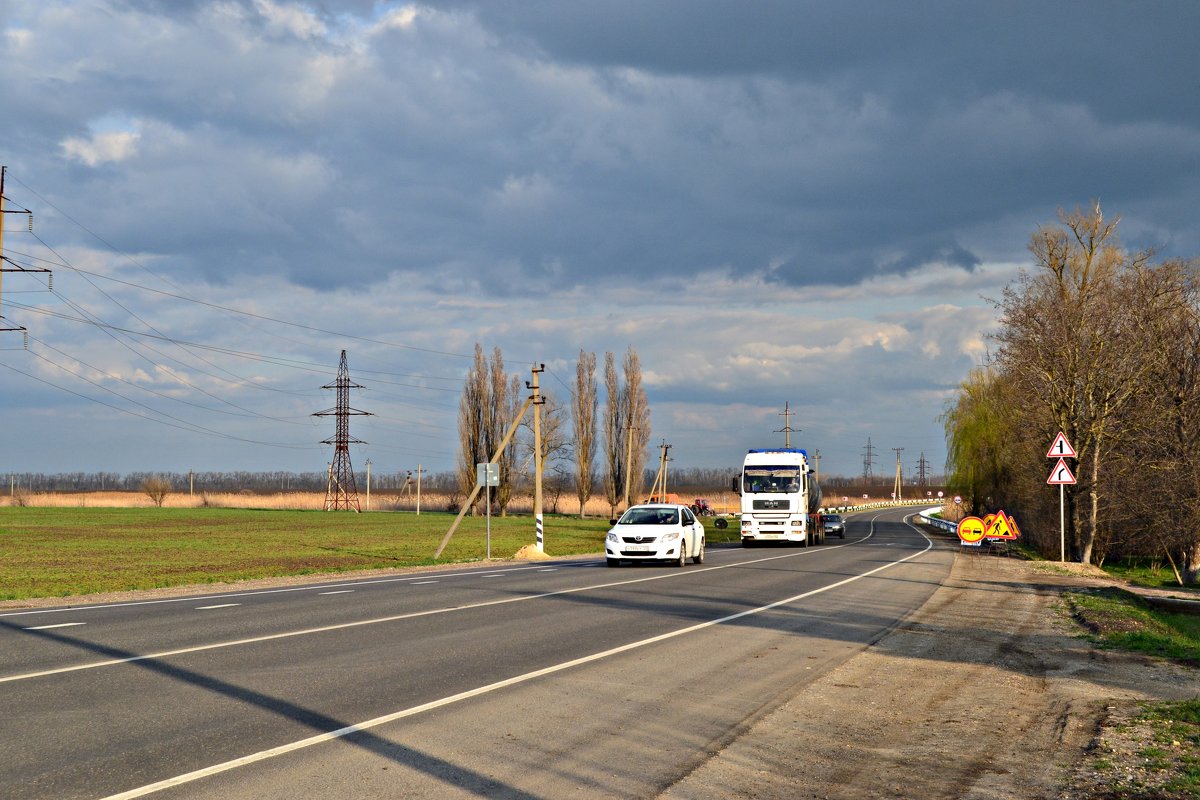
[(156, 489), (583, 417), (472, 416), (509, 476), (614, 435), (637, 417), (1070, 343)]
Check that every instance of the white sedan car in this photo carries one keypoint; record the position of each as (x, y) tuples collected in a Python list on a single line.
[(655, 532)]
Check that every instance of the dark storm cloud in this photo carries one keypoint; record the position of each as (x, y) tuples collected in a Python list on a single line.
[(498, 146)]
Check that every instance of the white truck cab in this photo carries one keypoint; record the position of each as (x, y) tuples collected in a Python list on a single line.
[(780, 498)]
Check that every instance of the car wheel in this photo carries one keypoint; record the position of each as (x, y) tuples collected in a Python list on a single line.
[(613, 562), (699, 557), (842, 535), (679, 562)]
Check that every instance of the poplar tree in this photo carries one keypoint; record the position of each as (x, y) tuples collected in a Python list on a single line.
[(583, 419)]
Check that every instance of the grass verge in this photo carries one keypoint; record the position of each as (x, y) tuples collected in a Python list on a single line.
[(50, 552), (66, 551), (1159, 754), (1117, 618)]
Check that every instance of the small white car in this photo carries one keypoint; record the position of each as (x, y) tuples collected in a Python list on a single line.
[(655, 532)]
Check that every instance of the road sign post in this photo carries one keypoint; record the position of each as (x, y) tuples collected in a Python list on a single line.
[(487, 475), (1061, 475)]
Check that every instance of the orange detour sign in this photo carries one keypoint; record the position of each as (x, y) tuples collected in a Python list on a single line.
[(970, 530)]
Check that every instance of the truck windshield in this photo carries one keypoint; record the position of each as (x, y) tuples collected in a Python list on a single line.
[(760, 479)]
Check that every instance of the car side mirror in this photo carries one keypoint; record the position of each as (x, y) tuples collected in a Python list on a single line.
[(612, 522)]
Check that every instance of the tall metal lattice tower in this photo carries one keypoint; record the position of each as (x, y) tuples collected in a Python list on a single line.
[(341, 491), (868, 460)]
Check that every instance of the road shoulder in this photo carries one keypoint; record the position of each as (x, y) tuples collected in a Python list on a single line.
[(987, 691)]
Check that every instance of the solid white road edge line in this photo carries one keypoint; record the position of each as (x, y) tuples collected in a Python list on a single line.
[(263, 755)]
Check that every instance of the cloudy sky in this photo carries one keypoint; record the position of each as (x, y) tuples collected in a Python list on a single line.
[(773, 202)]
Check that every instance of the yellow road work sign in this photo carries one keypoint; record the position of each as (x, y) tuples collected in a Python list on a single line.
[(1002, 526)]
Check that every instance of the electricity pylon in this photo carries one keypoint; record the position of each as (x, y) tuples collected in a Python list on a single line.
[(341, 491)]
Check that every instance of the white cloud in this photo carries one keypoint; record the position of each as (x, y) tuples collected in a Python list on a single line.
[(101, 148)]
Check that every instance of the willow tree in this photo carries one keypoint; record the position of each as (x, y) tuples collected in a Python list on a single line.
[(978, 434)]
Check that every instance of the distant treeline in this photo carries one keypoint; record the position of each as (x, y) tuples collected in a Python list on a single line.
[(696, 481)]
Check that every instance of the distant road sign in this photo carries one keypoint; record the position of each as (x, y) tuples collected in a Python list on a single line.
[(1061, 448), (1061, 475)]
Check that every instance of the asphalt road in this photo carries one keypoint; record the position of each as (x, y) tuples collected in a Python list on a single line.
[(521, 680)]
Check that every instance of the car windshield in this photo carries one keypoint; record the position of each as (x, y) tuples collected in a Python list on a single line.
[(650, 516), (832, 518), (761, 479)]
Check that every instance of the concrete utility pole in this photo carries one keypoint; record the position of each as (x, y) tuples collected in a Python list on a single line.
[(817, 463), (897, 490), (658, 490), (419, 471), (368, 484), (787, 430), (537, 401), (475, 492)]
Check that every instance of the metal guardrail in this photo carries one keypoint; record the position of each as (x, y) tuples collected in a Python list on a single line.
[(938, 522)]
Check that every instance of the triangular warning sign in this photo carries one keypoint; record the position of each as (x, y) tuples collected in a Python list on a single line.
[(1002, 527), (1061, 448), (1061, 474)]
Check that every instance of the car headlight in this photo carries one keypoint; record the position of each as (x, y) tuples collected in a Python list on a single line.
[(612, 537), (669, 537)]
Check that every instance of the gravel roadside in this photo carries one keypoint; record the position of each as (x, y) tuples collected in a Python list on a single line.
[(987, 691)]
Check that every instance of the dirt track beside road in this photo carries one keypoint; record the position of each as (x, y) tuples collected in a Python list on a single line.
[(987, 691)]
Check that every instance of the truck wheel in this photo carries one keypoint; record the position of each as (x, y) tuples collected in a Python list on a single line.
[(699, 557)]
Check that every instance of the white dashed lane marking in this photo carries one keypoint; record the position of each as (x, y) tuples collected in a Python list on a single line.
[(422, 583), (339, 591), (59, 625), (222, 605)]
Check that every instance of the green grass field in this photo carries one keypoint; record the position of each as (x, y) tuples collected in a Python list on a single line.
[(52, 552)]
